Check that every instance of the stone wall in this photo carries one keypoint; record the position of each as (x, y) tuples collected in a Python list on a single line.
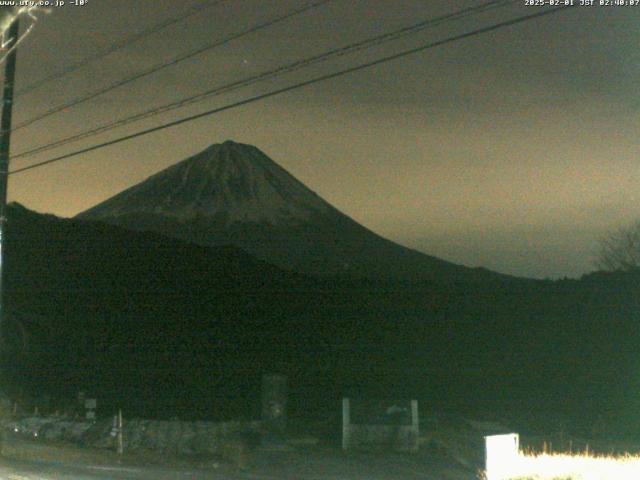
[(49, 428), (174, 437)]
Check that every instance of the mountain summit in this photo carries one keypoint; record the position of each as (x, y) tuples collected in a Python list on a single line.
[(233, 193), (226, 183)]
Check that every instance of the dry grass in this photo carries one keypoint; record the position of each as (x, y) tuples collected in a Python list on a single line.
[(580, 466)]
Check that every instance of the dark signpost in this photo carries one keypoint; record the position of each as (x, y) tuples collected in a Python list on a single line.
[(274, 409)]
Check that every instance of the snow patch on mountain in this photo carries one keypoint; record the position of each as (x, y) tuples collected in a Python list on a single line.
[(232, 182)]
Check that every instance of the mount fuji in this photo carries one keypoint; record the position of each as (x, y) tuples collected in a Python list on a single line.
[(234, 194)]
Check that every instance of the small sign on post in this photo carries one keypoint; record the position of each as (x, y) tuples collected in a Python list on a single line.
[(90, 405)]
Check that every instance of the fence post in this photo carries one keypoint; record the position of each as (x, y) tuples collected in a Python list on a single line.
[(415, 425), (120, 440), (346, 424)]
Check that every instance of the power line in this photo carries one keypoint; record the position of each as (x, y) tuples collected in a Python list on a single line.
[(285, 69), (170, 63), (124, 42), (296, 86)]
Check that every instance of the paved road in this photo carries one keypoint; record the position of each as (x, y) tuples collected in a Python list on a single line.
[(29, 460), (349, 470), (22, 470)]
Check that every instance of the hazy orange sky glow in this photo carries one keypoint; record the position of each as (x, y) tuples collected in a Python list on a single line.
[(513, 150)]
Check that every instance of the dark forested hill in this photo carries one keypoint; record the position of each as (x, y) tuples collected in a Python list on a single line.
[(166, 327)]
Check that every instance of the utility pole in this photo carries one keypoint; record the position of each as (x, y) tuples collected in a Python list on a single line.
[(5, 137)]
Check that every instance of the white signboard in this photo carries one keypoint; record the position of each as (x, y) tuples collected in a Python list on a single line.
[(501, 455)]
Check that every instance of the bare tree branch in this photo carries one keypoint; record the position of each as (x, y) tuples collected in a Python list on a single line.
[(620, 250)]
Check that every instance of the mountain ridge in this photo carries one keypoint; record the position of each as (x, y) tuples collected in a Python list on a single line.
[(233, 193)]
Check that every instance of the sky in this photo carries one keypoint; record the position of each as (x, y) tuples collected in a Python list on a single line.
[(515, 150)]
